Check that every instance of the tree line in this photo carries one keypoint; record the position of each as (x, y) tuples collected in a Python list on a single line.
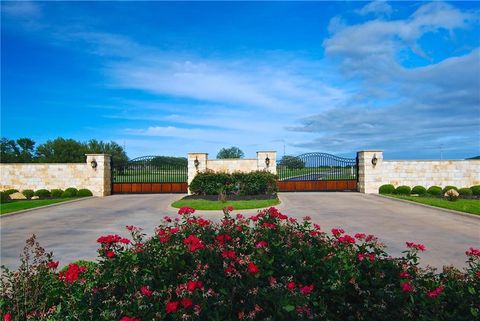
[(59, 150)]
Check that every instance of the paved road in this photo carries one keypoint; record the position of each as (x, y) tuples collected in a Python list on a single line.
[(71, 230)]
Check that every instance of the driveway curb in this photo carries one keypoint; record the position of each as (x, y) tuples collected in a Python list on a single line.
[(46, 206), (429, 206)]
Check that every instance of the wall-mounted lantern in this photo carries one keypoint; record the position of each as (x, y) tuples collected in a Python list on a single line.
[(94, 164), (374, 160), (267, 161), (196, 162)]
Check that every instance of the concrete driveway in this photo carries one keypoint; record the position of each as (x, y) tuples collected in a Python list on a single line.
[(71, 230)]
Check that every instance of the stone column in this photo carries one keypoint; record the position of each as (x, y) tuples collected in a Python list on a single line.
[(99, 177), (192, 169), (369, 175), (261, 164)]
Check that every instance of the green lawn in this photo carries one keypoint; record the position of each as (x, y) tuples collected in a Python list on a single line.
[(216, 205), (15, 206), (462, 205)]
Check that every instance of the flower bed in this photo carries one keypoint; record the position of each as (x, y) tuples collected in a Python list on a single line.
[(265, 267)]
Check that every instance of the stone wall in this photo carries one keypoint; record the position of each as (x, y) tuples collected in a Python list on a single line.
[(231, 165), (460, 173), (51, 176)]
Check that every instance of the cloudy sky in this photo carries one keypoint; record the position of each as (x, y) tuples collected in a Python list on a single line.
[(169, 78)]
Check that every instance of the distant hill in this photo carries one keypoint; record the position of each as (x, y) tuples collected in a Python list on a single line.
[(475, 157)]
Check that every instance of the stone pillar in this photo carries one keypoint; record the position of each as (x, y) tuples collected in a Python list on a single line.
[(369, 175), (261, 164), (99, 177), (192, 169)]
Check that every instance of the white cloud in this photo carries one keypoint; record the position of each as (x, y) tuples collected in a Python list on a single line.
[(376, 7)]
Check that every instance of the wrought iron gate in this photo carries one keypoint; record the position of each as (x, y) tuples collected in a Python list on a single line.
[(317, 172), (150, 174)]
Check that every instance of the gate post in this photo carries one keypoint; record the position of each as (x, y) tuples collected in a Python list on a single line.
[(369, 171), (197, 162), (262, 157), (98, 167)]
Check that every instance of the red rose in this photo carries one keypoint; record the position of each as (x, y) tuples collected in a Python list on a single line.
[(407, 287), (110, 254), (172, 306), (146, 291), (435, 292), (193, 285), (261, 244), (337, 232), (127, 318), (307, 289), (186, 210), (252, 268), (229, 254), (52, 265), (186, 303), (416, 246), (404, 275), (7, 317), (291, 285)]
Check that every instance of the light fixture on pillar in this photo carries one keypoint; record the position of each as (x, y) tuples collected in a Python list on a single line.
[(267, 161), (374, 160), (196, 162), (93, 163)]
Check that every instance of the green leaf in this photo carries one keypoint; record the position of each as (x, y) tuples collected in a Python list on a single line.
[(288, 308), (471, 290)]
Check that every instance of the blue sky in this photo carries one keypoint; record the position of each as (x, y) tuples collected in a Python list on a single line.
[(169, 78)]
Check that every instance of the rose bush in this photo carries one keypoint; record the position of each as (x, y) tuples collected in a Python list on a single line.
[(265, 267)]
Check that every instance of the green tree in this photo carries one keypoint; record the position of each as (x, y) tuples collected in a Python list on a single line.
[(232, 152), (9, 150), (27, 150), (161, 161), (292, 162), (117, 152), (61, 150)]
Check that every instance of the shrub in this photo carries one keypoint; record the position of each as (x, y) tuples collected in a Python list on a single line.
[(449, 187), (57, 193), (4, 197), (435, 190), (28, 193), (253, 183), (419, 190), (387, 189), (197, 269), (84, 192), (11, 191), (465, 191), (70, 192), (42, 193), (475, 190), (403, 190)]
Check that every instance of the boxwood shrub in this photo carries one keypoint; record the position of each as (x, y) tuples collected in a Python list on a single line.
[(4, 197), (449, 187), (465, 191), (84, 192), (419, 190), (475, 190), (57, 193), (253, 183), (70, 192), (387, 189), (435, 191), (28, 193), (42, 193), (265, 267), (11, 191), (403, 190)]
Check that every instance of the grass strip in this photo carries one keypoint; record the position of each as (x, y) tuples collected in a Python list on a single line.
[(462, 205), (15, 206), (217, 205)]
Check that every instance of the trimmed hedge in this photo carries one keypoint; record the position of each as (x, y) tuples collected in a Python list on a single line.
[(419, 190), (4, 197), (42, 193), (28, 193), (449, 187), (253, 183), (84, 192), (403, 190), (10, 191), (387, 189), (57, 193), (70, 192), (465, 191), (435, 191), (475, 190)]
